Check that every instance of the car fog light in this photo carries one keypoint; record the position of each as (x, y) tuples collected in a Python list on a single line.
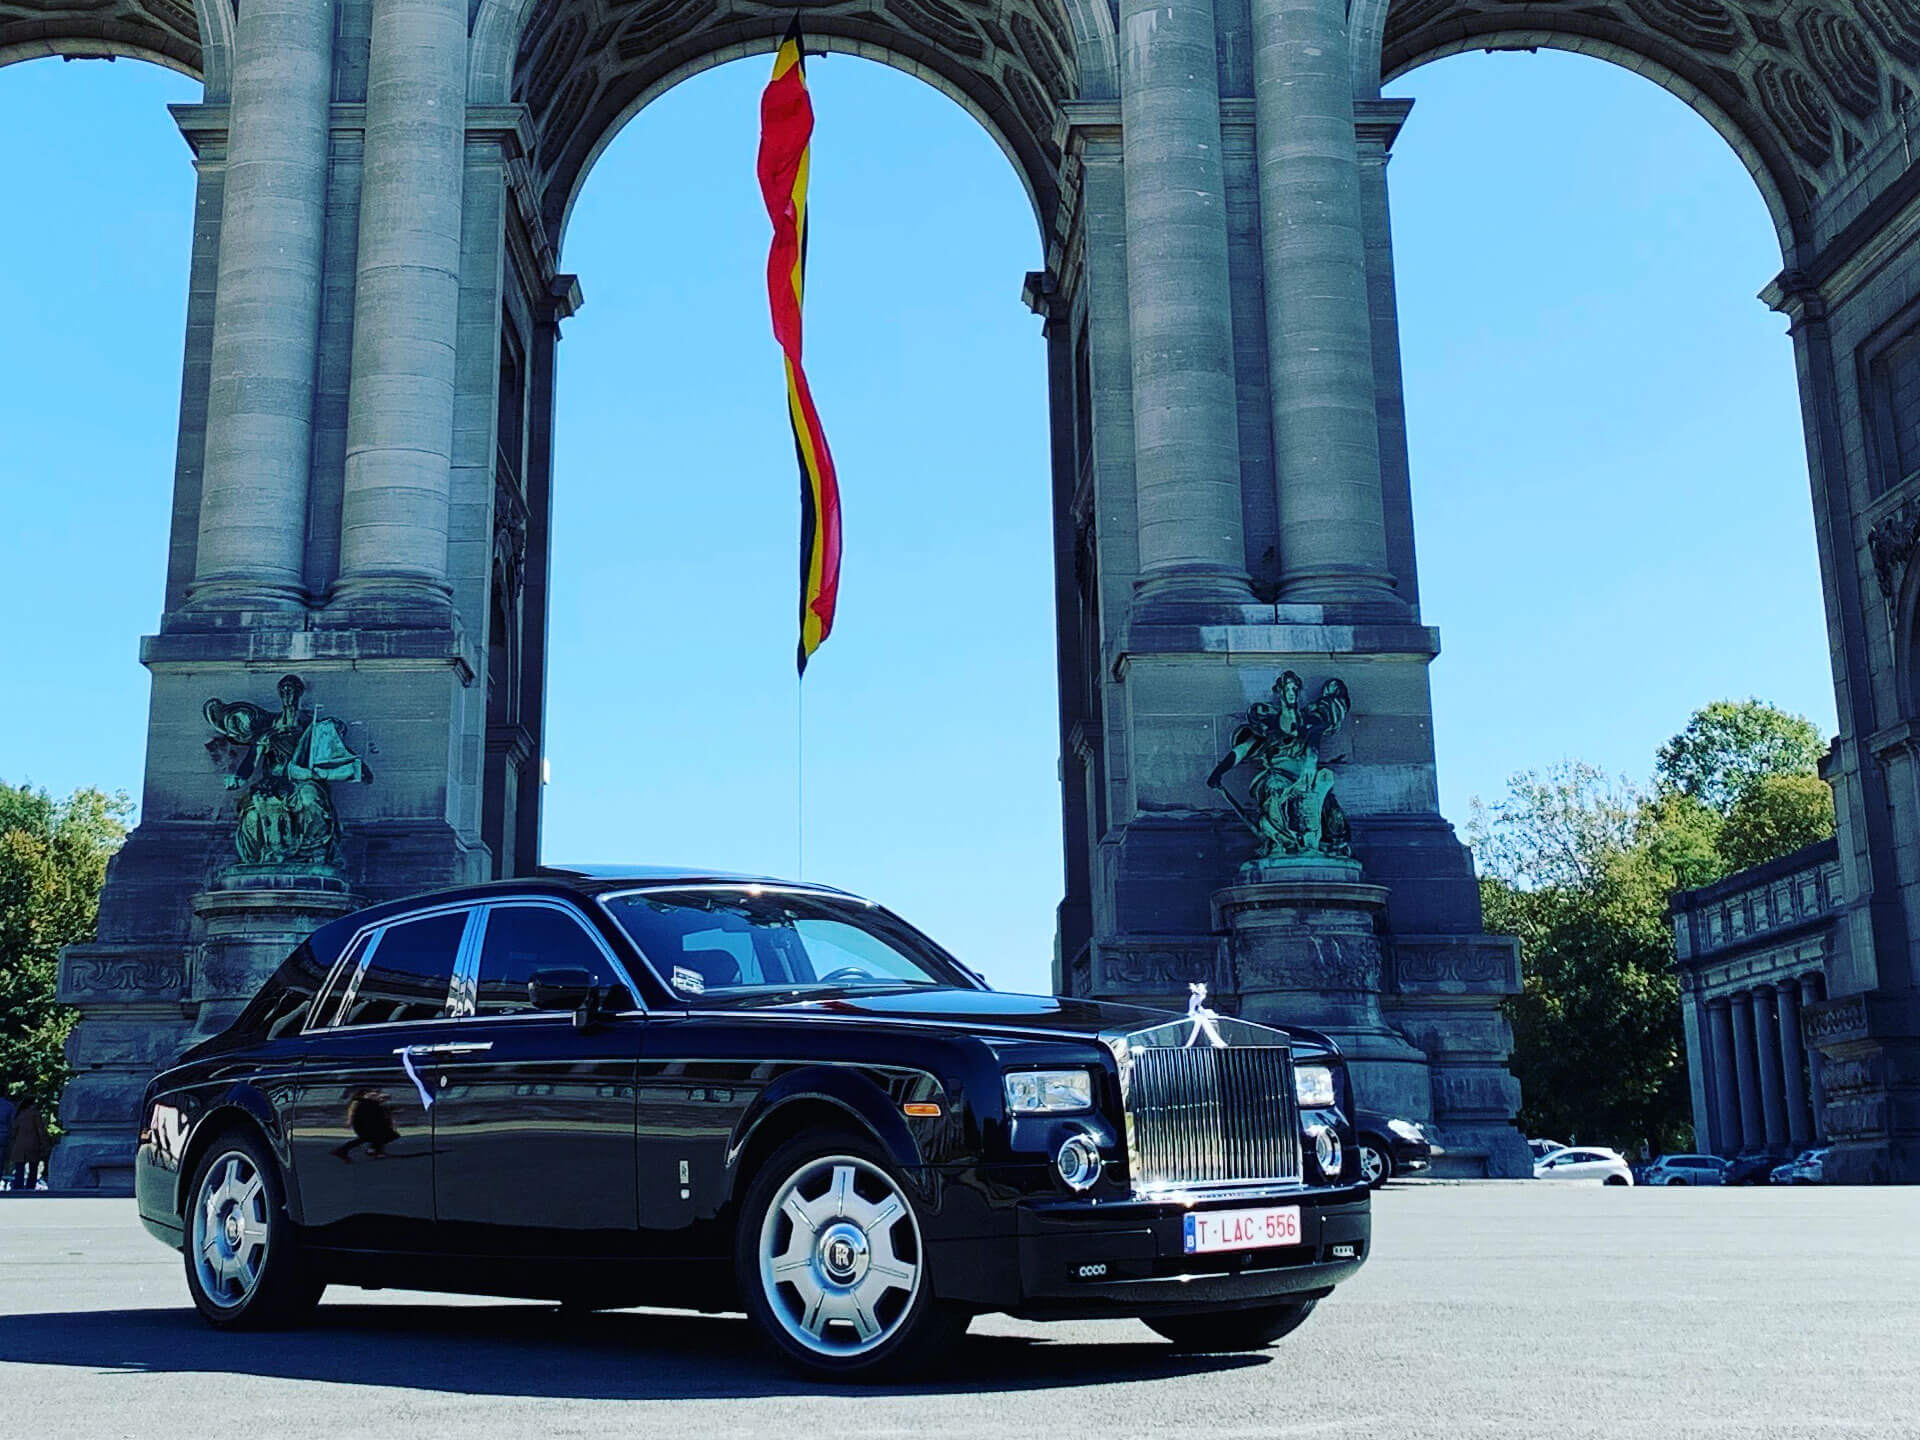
[(1078, 1162), (1326, 1150)]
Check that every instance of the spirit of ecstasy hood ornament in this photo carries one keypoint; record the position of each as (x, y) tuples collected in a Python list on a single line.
[(1203, 1018)]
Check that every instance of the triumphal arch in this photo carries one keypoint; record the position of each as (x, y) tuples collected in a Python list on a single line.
[(348, 670)]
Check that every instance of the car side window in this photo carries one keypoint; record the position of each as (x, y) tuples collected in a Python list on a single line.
[(521, 939), (409, 973)]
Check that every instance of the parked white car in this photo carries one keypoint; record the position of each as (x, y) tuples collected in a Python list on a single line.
[(1591, 1163)]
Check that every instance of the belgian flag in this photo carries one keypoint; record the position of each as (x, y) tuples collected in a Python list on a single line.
[(786, 131)]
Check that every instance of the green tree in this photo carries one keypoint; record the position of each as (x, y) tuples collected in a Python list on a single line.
[(53, 860), (1578, 866), (1774, 816), (1732, 743)]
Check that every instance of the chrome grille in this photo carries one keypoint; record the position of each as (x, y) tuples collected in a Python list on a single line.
[(1211, 1116)]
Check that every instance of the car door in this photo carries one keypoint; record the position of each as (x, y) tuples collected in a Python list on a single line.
[(1569, 1165), (362, 1126), (534, 1121)]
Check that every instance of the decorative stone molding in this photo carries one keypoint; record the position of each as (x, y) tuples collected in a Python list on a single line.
[(1455, 965)]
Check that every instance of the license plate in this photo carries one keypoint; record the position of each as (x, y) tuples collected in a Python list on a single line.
[(1209, 1230)]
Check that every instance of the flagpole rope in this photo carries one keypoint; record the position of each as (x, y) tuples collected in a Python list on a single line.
[(799, 779)]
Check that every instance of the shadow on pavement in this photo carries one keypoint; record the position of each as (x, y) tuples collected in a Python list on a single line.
[(531, 1351)]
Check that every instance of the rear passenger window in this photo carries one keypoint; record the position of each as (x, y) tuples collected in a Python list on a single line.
[(524, 938), (409, 973)]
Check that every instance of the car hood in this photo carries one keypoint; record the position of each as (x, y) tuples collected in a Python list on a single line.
[(1041, 1016)]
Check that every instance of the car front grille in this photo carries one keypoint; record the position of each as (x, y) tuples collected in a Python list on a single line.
[(1214, 1117)]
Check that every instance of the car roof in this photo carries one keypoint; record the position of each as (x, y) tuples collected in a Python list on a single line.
[(571, 881), (600, 877)]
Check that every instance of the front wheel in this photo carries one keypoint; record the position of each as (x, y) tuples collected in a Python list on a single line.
[(1223, 1330), (833, 1267), (244, 1266), (1376, 1163)]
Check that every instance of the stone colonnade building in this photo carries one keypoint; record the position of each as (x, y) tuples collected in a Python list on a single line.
[(1752, 952), (364, 473)]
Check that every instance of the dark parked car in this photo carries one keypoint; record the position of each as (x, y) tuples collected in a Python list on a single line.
[(640, 1087), (1389, 1146), (1751, 1169)]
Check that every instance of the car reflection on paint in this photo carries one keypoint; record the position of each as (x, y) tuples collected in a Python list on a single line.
[(686, 1089)]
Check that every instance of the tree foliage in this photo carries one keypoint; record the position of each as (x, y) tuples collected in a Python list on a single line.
[(1732, 743), (53, 860), (1580, 866)]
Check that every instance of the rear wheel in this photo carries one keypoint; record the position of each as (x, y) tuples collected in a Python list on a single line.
[(245, 1268), (1617, 1180), (1376, 1162), (1233, 1329), (832, 1265)]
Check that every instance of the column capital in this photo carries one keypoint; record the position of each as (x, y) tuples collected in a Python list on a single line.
[(1377, 122)]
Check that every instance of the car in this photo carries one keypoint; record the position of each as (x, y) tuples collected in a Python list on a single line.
[(1806, 1168), (626, 1087), (1686, 1170), (1389, 1146), (1751, 1169), (1585, 1162)]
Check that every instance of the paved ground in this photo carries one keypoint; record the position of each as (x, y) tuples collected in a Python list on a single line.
[(1490, 1310)]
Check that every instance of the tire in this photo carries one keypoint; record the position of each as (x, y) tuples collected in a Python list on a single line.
[(1676, 1181), (245, 1266), (1376, 1162), (1224, 1330), (1617, 1180), (850, 1298)]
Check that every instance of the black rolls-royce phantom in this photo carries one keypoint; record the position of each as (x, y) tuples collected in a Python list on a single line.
[(638, 1087)]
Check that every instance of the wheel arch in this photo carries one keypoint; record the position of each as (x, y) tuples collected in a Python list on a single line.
[(243, 1110), (817, 1098)]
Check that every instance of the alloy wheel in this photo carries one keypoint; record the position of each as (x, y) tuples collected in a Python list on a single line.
[(231, 1229), (840, 1256), (1373, 1165)]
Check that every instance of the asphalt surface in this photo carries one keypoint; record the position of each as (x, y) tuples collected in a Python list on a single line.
[(1515, 1309)]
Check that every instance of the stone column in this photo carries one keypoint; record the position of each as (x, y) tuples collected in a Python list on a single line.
[(1812, 987), (394, 510), (1185, 416), (1333, 543), (1793, 1066), (1726, 1092), (266, 321), (1766, 1044), (1746, 1070), (1377, 124)]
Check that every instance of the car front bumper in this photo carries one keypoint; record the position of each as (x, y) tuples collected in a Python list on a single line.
[(1086, 1261)]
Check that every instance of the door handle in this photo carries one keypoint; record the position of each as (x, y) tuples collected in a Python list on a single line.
[(457, 1047)]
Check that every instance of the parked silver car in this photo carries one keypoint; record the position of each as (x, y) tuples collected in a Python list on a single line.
[(1686, 1170), (1806, 1168)]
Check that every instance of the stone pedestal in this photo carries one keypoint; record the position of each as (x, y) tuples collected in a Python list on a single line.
[(1303, 948), (142, 1004), (250, 922)]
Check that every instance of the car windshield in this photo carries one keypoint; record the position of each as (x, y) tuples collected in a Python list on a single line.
[(747, 940)]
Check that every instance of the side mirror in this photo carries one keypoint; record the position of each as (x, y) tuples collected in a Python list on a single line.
[(564, 989)]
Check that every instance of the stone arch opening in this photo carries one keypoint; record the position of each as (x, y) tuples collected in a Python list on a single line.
[(585, 67), (684, 167), (193, 37), (1809, 95)]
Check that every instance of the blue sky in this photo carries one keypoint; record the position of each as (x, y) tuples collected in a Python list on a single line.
[(1609, 480)]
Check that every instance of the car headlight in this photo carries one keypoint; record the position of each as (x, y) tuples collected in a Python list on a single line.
[(1406, 1130), (1049, 1092), (1313, 1087)]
